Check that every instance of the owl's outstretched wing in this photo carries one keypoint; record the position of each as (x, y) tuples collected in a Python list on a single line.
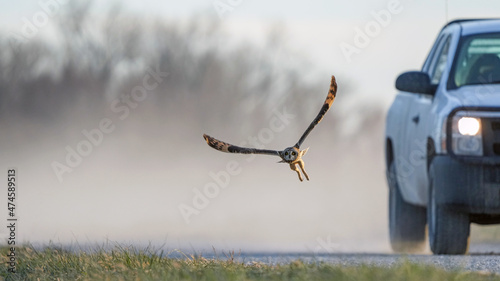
[(328, 103), (226, 147)]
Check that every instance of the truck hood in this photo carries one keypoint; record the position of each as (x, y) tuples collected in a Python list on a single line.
[(476, 95)]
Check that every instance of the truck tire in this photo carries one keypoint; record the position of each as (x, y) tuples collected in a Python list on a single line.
[(448, 229), (406, 221)]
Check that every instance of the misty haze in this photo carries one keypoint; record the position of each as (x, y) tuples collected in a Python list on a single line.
[(103, 119)]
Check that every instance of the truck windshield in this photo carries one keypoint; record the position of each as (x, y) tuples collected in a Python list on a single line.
[(478, 61)]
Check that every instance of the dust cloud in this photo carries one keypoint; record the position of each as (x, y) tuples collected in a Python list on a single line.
[(104, 121)]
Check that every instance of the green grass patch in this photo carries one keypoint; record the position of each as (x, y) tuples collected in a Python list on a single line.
[(53, 263)]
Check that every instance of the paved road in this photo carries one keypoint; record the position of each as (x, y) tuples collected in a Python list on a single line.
[(482, 257), (473, 262)]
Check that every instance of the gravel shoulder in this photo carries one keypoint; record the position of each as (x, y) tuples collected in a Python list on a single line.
[(482, 258)]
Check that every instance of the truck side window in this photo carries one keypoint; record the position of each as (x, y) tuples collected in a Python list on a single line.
[(440, 64)]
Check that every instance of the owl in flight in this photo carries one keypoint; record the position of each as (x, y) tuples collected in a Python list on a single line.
[(291, 155)]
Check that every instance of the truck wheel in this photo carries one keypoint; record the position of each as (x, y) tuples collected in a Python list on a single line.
[(406, 221), (448, 229)]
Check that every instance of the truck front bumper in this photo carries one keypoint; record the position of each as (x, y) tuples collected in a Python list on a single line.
[(472, 188)]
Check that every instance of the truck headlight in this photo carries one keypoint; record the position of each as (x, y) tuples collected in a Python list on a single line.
[(468, 126), (466, 135)]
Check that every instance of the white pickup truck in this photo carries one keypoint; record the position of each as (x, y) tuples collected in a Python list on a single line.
[(443, 141)]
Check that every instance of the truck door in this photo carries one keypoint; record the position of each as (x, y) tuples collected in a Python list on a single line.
[(411, 164), (419, 122)]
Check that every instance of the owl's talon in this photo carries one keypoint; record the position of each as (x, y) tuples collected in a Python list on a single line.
[(301, 164), (293, 166)]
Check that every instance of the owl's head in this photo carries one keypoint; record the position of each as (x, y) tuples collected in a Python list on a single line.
[(292, 154)]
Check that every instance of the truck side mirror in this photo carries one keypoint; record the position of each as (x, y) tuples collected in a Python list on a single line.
[(415, 82)]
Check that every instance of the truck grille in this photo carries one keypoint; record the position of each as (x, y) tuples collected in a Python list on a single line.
[(491, 136), (496, 148), (495, 126)]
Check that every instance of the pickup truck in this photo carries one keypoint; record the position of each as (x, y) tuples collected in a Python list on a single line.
[(442, 141)]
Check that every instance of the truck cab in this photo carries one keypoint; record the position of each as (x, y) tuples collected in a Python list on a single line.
[(442, 141)]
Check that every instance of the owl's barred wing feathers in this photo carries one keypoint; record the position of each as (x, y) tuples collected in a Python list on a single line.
[(226, 147), (328, 103), (291, 155)]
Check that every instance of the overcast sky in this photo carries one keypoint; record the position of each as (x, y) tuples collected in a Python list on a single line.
[(322, 30), (275, 10)]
